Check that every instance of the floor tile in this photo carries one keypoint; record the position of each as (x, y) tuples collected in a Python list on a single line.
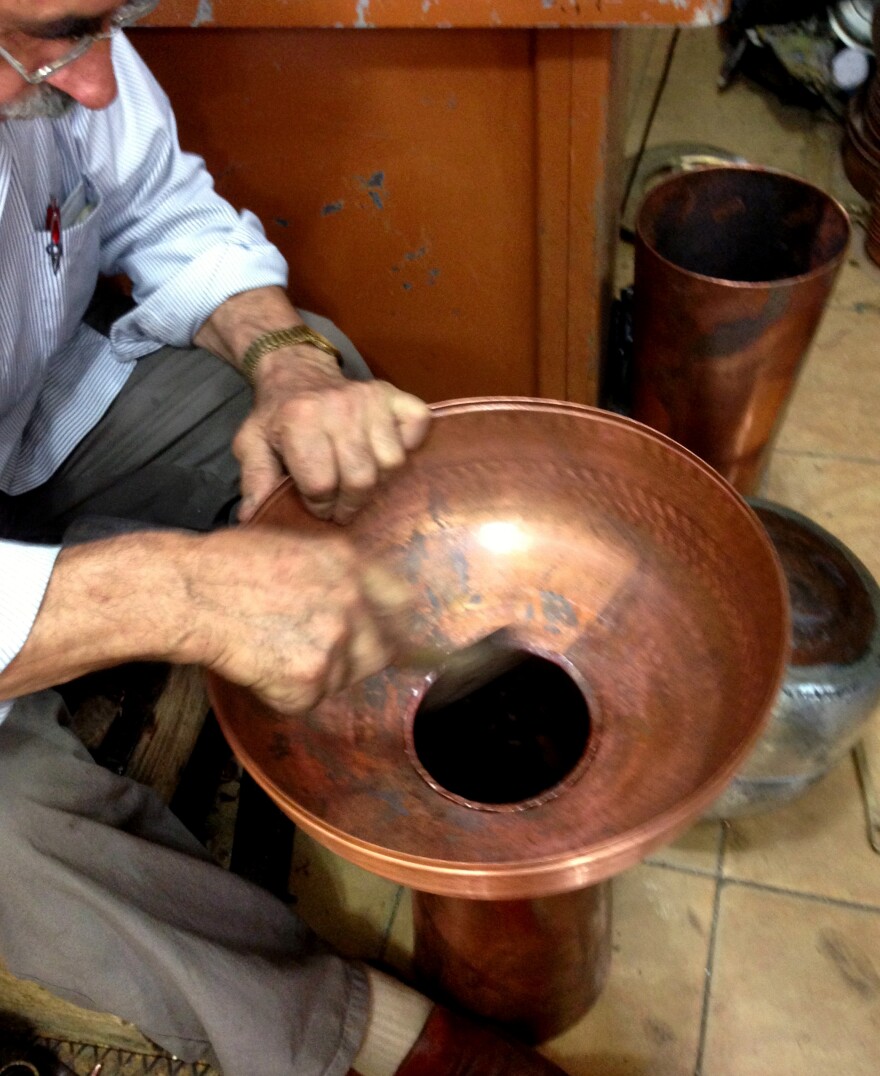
[(347, 906), (695, 850), (743, 119), (647, 1021), (795, 988), (833, 410), (398, 950), (816, 844)]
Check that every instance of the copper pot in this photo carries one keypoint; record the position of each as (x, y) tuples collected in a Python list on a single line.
[(832, 683), (734, 266), (650, 600)]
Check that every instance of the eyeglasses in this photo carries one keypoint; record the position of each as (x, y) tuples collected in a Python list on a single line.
[(125, 15)]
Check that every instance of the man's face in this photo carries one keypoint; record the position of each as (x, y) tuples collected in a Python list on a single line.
[(38, 32)]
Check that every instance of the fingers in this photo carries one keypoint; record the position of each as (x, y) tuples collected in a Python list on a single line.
[(339, 446), (261, 469), (413, 419)]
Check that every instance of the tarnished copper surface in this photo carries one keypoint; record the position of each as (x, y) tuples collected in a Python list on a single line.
[(833, 618), (611, 551), (734, 266), (534, 965)]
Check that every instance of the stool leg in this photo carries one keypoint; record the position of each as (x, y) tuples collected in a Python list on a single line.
[(534, 965)]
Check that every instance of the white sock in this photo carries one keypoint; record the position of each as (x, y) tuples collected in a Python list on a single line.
[(397, 1015)]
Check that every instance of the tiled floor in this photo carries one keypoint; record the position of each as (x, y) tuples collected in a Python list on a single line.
[(750, 948)]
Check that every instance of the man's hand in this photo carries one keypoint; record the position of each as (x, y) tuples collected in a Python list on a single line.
[(337, 439), (292, 619)]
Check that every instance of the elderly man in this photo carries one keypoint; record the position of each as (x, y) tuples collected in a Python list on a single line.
[(174, 413)]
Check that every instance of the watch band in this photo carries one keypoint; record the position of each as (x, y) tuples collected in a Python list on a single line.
[(274, 341)]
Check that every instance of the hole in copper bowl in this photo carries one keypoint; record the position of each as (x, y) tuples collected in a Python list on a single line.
[(511, 743)]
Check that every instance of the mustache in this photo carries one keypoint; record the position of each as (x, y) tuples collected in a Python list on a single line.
[(42, 102)]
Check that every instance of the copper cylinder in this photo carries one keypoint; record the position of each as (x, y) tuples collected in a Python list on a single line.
[(535, 966), (734, 266)]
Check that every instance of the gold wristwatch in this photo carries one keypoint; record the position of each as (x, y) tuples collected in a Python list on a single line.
[(274, 341)]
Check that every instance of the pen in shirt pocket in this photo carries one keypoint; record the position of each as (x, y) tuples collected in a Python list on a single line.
[(53, 227)]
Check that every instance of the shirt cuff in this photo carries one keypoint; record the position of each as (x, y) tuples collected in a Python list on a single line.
[(24, 575), (175, 312)]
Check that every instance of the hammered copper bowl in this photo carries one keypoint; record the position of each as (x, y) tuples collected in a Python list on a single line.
[(618, 557)]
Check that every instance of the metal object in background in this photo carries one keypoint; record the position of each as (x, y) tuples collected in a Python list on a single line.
[(869, 794), (872, 239), (660, 162), (861, 142), (734, 267), (832, 684), (632, 573), (851, 22)]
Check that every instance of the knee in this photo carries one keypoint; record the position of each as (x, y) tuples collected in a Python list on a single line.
[(33, 743)]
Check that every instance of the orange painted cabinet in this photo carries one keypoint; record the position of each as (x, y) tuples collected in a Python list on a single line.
[(442, 175)]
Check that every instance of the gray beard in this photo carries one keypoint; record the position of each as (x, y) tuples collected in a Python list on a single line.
[(43, 102)]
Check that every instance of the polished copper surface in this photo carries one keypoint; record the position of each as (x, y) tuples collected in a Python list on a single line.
[(734, 266), (534, 965), (615, 554)]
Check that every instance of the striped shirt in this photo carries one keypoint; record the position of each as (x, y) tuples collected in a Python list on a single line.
[(131, 202)]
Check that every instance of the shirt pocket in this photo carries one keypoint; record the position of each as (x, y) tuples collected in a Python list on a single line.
[(67, 281)]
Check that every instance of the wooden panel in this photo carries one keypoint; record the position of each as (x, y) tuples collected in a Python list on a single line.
[(164, 750), (396, 172), (55, 1018), (440, 13), (578, 108)]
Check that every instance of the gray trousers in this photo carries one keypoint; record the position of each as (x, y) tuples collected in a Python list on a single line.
[(105, 898)]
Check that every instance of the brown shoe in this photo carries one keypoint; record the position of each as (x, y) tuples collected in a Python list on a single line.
[(453, 1045)]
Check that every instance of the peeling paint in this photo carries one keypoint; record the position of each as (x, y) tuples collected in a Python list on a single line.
[(710, 13), (414, 255), (282, 222), (375, 188), (204, 13), (332, 207), (702, 12), (361, 10), (432, 275)]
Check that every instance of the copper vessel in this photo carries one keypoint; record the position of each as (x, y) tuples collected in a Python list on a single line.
[(832, 684), (734, 266), (653, 608)]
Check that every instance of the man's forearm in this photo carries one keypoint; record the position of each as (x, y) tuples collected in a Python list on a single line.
[(107, 602), (289, 616)]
